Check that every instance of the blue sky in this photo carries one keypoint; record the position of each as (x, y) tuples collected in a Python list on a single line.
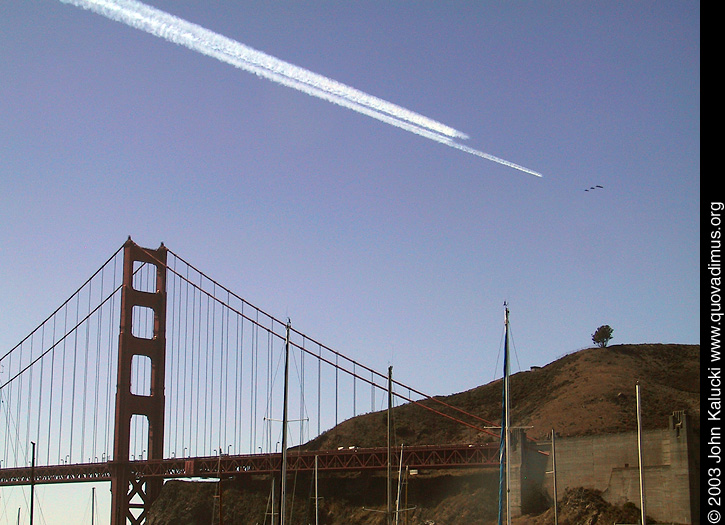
[(384, 245)]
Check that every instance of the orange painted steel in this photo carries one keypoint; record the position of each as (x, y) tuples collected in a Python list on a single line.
[(345, 460), (125, 487)]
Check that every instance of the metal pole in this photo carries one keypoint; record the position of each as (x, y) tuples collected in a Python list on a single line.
[(553, 464), (219, 470), (32, 481), (507, 440), (400, 479), (390, 426), (641, 466), (317, 499), (283, 485)]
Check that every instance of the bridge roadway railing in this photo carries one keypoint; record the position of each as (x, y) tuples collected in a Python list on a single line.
[(341, 460)]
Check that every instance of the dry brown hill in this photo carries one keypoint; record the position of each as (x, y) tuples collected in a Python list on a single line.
[(591, 391)]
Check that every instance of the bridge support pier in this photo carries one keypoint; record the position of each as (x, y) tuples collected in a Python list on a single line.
[(131, 497)]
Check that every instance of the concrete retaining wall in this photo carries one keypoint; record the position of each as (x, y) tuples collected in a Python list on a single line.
[(609, 463)]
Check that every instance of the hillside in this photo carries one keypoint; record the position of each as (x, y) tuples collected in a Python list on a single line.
[(588, 392)]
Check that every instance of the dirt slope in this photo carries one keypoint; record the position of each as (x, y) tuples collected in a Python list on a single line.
[(588, 392)]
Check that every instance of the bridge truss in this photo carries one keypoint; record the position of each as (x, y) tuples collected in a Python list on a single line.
[(226, 466)]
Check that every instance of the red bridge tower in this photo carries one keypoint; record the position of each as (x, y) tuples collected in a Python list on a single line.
[(130, 495)]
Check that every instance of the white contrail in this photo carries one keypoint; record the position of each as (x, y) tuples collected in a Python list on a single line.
[(197, 38), (176, 30)]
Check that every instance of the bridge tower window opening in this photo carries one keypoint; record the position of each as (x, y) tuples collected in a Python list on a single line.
[(141, 375), (144, 277), (139, 438), (142, 322)]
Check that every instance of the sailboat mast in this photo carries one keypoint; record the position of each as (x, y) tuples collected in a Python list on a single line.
[(390, 427), (32, 483), (507, 435), (219, 487), (283, 483), (317, 499)]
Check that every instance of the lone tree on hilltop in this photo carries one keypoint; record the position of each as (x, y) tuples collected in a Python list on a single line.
[(602, 336)]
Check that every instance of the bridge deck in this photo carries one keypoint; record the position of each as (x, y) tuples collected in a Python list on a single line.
[(348, 459)]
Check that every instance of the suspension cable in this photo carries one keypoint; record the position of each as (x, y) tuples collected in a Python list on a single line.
[(62, 305), (312, 340)]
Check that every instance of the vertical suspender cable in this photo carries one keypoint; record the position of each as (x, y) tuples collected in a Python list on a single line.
[(96, 407), (197, 352), (237, 378), (30, 393), (85, 380), (255, 382), (109, 375), (237, 373), (19, 402), (206, 376), (187, 355), (192, 416), (270, 359), (7, 408), (226, 353), (40, 393), (319, 380), (302, 392), (50, 407), (62, 382), (252, 388), (172, 351), (211, 357)]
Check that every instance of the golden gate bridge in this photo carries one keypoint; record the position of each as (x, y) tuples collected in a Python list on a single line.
[(152, 370)]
